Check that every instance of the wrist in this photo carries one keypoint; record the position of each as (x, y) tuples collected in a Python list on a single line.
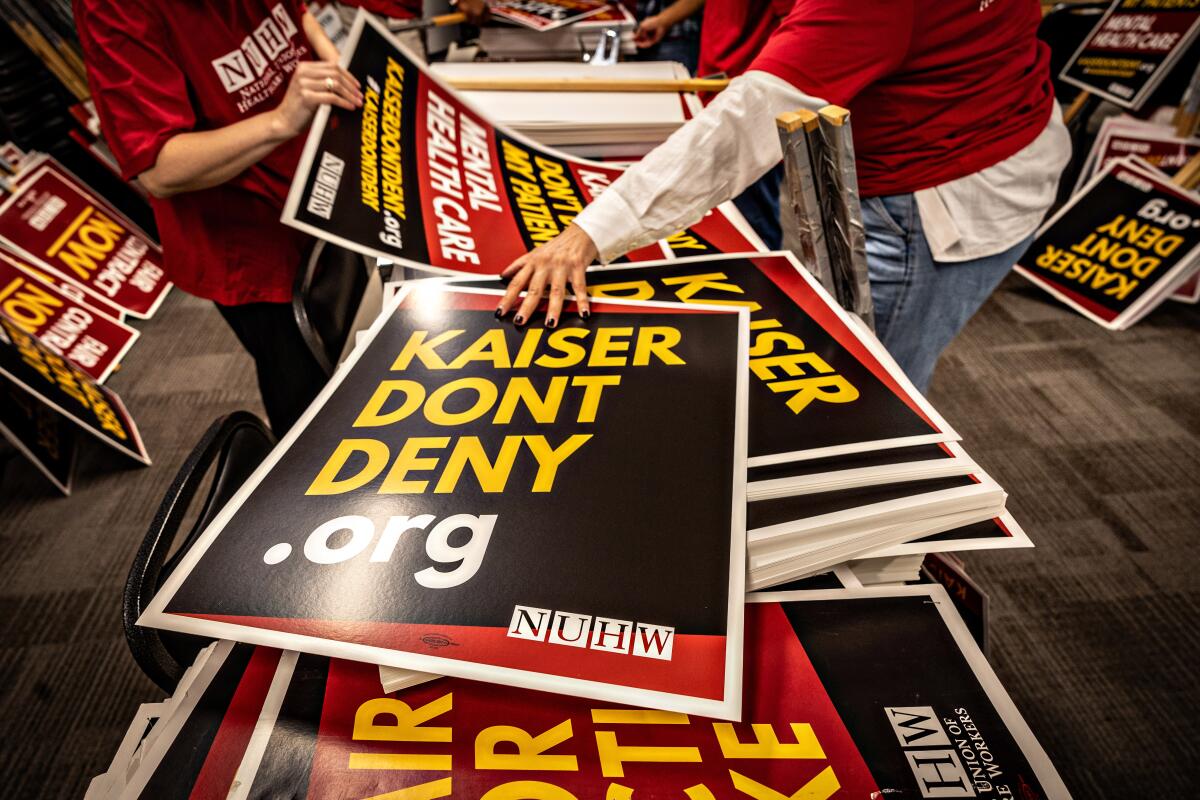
[(279, 128)]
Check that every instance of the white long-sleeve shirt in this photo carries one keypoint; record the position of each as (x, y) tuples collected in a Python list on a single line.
[(729, 145)]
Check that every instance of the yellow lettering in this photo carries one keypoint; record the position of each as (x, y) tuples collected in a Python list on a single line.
[(435, 409), (492, 477), (604, 344), (326, 481), (531, 750), (370, 417), (407, 461), (549, 459)]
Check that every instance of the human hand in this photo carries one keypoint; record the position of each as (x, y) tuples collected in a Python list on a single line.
[(476, 11), (651, 31), (316, 83), (552, 266)]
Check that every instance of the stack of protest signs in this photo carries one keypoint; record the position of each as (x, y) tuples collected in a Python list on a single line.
[(468, 498), (907, 706), (420, 176), (72, 268), (1120, 246), (846, 458), (576, 509)]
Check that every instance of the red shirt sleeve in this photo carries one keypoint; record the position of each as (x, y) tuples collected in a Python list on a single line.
[(140, 91), (833, 49)]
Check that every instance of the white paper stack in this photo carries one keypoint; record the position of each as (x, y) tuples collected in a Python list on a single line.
[(586, 124)]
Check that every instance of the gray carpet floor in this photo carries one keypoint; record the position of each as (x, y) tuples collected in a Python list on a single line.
[(1094, 435)]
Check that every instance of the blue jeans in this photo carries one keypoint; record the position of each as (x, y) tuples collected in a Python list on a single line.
[(759, 204), (922, 304)]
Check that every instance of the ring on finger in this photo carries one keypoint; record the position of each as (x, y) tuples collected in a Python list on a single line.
[(329, 84)]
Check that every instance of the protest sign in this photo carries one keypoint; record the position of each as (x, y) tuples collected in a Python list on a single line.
[(819, 384), (46, 438), (853, 693), (56, 224), (419, 176), (473, 499), (1119, 247), (1132, 48), (68, 390), (545, 15), (1155, 145), (86, 336)]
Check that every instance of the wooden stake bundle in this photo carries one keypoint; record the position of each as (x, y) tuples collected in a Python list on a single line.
[(821, 213), (1188, 176), (845, 236), (800, 214)]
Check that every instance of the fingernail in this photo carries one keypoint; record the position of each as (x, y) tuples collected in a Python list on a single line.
[(585, 313), (519, 320), (551, 322), (499, 313)]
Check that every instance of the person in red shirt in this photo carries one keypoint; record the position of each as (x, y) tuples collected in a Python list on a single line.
[(205, 103), (958, 141)]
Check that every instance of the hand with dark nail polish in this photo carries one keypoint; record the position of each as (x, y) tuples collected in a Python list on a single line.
[(519, 320), (499, 313), (550, 323)]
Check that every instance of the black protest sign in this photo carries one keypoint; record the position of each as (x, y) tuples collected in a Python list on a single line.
[(846, 692), (1119, 246), (43, 436), (546, 15), (1132, 48), (915, 694), (68, 390), (556, 509), (420, 176), (819, 386)]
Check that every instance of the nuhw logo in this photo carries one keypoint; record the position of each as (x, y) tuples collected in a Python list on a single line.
[(241, 67), (931, 757), (594, 633)]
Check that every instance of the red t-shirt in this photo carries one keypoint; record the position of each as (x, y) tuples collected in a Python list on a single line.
[(734, 31), (397, 9), (158, 68), (937, 89)]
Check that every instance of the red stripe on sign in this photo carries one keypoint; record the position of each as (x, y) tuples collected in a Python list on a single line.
[(229, 745), (781, 683), (1106, 314), (696, 668), (784, 275), (469, 301)]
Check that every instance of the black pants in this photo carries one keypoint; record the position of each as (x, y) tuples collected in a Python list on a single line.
[(288, 375)]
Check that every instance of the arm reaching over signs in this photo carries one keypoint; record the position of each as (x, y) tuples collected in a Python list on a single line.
[(668, 190)]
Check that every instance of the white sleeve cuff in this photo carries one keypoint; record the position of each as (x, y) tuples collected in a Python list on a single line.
[(612, 226)]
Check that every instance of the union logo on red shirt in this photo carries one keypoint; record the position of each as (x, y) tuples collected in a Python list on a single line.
[(253, 69)]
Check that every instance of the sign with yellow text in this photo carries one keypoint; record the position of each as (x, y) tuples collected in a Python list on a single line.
[(67, 389), (819, 385), (418, 175), (849, 693), (1132, 48), (56, 224), (86, 336), (1119, 247), (559, 509)]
